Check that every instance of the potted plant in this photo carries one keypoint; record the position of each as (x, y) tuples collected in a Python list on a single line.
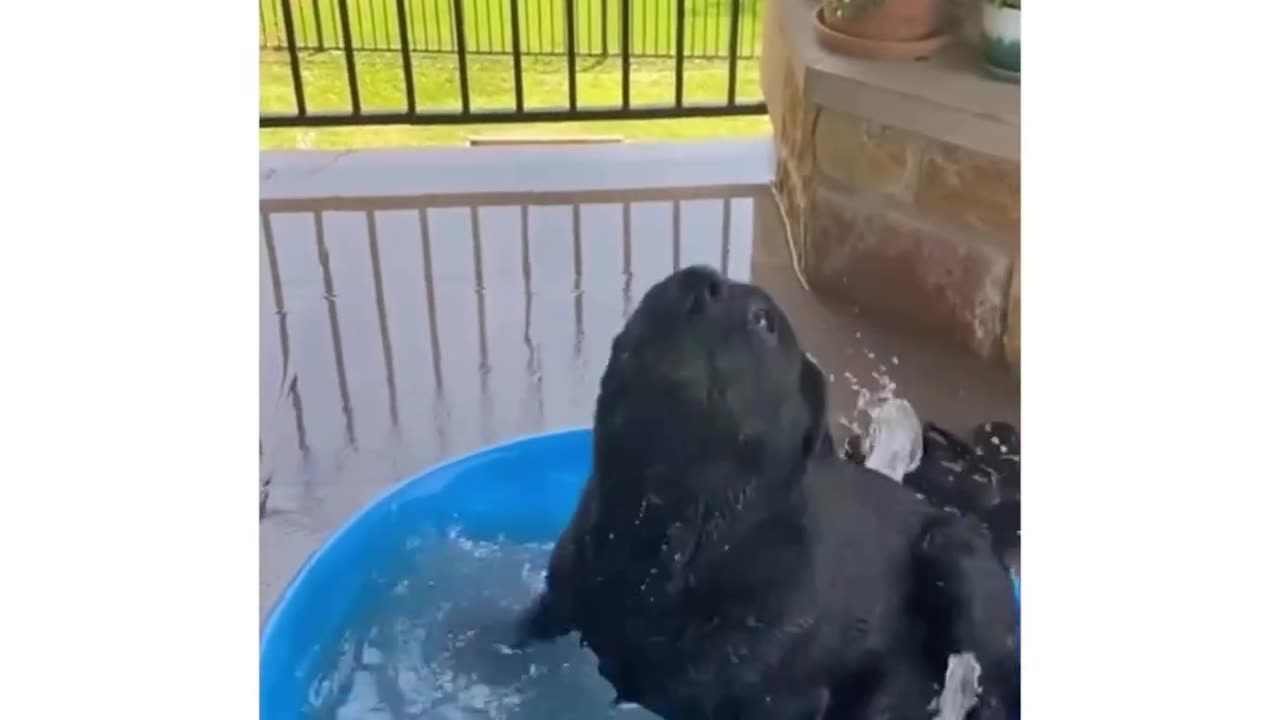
[(1002, 37), (887, 29)]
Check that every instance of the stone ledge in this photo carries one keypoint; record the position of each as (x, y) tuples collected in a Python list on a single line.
[(949, 97)]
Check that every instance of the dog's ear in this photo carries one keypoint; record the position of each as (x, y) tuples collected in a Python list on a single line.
[(813, 390)]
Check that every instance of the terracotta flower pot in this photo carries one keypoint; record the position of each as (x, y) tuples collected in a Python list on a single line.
[(889, 29), (893, 20)]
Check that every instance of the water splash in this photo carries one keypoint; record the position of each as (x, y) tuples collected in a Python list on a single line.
[(894, 444), (891, 435), (961, 689)]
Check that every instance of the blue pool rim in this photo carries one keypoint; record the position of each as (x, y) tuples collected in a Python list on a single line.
[(350, 532)]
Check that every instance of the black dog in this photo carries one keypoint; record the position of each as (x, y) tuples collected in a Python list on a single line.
[(723, 562), (981, 478)]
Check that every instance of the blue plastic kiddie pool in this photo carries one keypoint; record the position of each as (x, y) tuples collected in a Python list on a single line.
[(523, 491)]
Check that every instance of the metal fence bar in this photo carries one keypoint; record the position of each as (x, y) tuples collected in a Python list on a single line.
[(517, 70), (275, 23), (335, 328), (503, 23), (726, 221), (526, 271), (735, 17), (367, 26), (295, 66), (706, 47), (571, 37), (460, 43), (286, 358), (655, 26), (487, 25), (715, 43), (410, 93), (643, 29), (359, 21), (428, 281), (477, 254), (384, 331), (626, 54), (315, 9), (535, 28), (578, 289), (441, 402), (477, 260), (680, 11), (531, 351), (438, 25), (386, 23), (406, 60), (604, 28), (668, 32), (409, 7), (675, 236), (349, 54), (626, 257), (378, 22)]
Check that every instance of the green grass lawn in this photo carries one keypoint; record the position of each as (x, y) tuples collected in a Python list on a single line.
[(492, 87)]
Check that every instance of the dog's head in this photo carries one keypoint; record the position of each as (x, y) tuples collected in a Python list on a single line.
[(711, 367)]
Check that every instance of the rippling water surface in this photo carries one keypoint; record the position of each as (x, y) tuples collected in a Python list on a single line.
[(435, 645)]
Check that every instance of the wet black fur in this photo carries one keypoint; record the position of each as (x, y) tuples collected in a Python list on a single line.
[(980, 478), (723, 562)]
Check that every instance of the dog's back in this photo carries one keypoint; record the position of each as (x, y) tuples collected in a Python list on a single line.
[(915, 586), (867, 530), (838, 595)]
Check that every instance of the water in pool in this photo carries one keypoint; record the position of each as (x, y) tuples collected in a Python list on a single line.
[(434, 646)]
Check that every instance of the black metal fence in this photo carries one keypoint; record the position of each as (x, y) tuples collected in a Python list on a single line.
[(438, 42), (432, 26)]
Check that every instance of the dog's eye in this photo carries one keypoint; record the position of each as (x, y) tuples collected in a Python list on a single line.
[(762, 319)]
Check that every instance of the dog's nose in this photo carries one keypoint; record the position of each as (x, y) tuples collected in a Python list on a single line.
[(708, 292)]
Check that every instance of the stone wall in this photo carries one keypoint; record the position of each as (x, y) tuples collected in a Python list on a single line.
[(899, 224)]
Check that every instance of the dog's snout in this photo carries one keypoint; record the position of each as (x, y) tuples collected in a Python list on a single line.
[(706, 293)]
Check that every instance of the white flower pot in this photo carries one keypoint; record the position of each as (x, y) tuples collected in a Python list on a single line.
[(1002, 39)]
